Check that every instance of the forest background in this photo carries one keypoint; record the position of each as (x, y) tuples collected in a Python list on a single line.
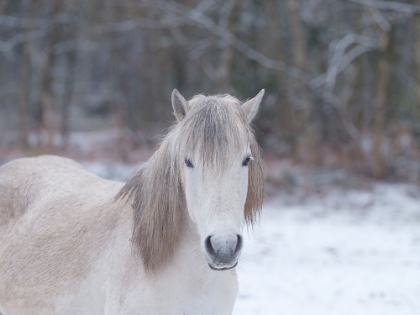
[(92, 80)]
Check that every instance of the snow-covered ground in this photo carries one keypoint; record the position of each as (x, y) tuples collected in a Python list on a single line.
[(354, 252)]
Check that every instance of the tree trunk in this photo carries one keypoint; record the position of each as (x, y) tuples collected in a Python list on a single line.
[(68, 93), (47, 112), (226, 60), (300, 107), (24, 78), (25, 81), (417, 63), (378, 168)]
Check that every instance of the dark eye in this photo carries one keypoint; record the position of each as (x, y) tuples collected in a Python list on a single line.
[(188, 163), (246, 161)]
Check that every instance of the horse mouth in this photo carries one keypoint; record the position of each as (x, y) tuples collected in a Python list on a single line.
[(223, 268)]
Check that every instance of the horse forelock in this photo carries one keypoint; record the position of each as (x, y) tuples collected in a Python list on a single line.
[(216, 128)]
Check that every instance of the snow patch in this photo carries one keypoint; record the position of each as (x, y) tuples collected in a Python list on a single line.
[(355, 252)]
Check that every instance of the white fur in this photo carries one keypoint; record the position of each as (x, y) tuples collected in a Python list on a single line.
[(182, 288), (215, 200), (116, 282), (66, 243)]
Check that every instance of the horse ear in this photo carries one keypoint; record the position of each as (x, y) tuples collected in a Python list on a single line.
[(179, 104), (250, 107)]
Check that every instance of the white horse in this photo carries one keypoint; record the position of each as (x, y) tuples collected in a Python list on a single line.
[(165, 242)]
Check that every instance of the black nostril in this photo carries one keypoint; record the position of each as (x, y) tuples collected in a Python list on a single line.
[(238, 244), (209, 246)]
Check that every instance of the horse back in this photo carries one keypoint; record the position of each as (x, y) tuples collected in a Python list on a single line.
[(22, 180), (56, 219)]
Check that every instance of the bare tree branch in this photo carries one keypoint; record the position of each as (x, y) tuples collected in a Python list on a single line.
[(390, 5), (341, 60), (379, 19), (202, 20), (7, 46), (133, 24), (17, 22)]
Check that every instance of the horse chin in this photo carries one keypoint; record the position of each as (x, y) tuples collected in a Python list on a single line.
[(223, 268)]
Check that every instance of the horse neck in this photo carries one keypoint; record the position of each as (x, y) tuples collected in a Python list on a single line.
[(189, 258)]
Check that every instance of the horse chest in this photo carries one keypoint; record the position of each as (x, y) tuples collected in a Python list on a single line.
[(213, 293)]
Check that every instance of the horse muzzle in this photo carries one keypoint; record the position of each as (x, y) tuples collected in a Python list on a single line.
[(222, 252)]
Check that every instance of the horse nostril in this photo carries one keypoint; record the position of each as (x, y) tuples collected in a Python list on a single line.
[(238, 243), (223, 248), (209, 246)]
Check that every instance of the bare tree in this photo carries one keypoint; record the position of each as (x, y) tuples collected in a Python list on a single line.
[(335, 73)]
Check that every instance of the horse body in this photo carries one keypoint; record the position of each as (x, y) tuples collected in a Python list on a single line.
[(91, 270), (73, 243)]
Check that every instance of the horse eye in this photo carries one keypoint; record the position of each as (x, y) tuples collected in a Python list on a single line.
[(188, 163), (247, 160)]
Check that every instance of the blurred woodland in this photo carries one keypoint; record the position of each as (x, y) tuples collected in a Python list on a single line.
[(342, 77)]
